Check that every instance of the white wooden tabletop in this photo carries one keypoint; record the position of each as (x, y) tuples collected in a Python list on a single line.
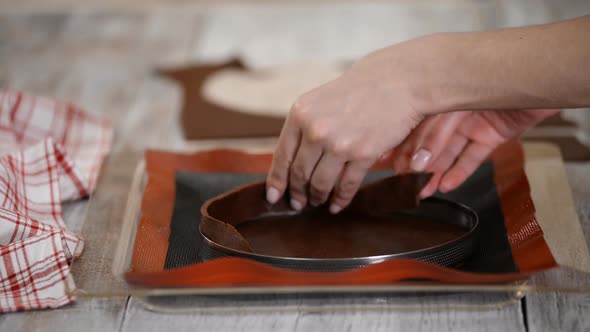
[(105, 60)]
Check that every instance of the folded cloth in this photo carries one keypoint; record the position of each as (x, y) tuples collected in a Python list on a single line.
[(50, 152)]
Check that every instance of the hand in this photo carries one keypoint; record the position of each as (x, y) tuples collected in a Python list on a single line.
[(453, 145), (334, 133)]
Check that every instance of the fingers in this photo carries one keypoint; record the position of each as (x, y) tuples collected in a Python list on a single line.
[(276, 182), (386, 155), (303, 166), (472, 156), (442, 164), (434, 140), (324, 178), (404, 151), (349, 183), (486, 131)]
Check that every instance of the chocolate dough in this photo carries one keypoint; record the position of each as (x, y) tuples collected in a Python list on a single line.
[(572, 149), (201, 119), (371, 225), (318, 234), (557, 121)]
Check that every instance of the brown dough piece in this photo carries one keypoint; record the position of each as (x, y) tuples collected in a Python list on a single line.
[(571, 148), (204, 120), (557, 120)]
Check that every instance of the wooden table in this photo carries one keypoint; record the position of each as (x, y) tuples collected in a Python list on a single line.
[(104, 61)]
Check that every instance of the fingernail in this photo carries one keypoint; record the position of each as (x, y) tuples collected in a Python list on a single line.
[(335, 208), (420, 160), (445, 186), (296, 205), (272, 195), (385, 156)]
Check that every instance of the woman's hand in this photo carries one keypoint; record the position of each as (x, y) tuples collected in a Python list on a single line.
[(334, 133), (453, 145)]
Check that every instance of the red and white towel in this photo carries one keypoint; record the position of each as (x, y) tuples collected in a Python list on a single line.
[(50, 152)]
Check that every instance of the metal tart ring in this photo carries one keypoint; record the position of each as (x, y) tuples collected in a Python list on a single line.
[(450, 253)]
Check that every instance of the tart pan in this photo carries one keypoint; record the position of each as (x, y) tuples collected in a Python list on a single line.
[(385, 221)]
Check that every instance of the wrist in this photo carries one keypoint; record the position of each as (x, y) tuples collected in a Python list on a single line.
[(435, 72)]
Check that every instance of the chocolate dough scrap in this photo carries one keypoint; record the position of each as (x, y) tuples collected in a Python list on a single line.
[(557, 120), (202, 119), (572, 149)]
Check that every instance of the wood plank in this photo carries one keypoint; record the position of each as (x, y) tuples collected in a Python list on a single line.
[(29, 35), (507, 318), (90, 315), (133, 38), (550, 189), (274, 35), (153, 121), (519, 13), (55, 5), (559, 311)]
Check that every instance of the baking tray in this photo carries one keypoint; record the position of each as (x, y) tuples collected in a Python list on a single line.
[(545, 169)]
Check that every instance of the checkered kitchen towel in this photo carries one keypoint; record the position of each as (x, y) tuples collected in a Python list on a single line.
[(50, 152)]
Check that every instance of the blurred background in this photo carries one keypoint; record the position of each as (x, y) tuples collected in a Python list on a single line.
[(105, 55)]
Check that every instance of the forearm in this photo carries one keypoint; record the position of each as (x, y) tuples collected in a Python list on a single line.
[(545, 66)]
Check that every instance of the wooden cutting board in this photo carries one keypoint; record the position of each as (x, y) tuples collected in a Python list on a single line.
[(556, 210)]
